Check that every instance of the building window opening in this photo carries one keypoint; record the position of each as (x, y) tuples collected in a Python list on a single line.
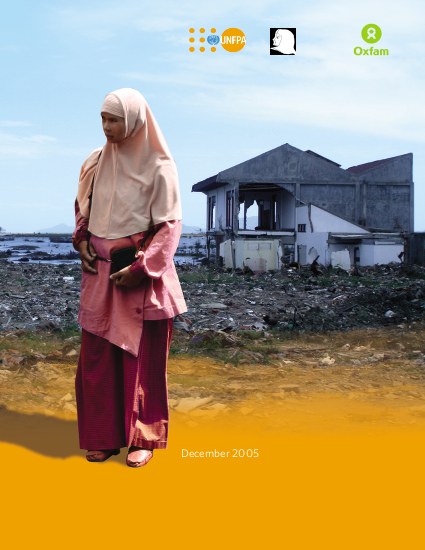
[(356, 255), (211, 212), (230, 200), (301, 228), (266, 212), (275, 215), (288, 253), (246, 222)]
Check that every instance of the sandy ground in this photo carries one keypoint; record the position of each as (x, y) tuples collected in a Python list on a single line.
[(309, 442), (334, 382)]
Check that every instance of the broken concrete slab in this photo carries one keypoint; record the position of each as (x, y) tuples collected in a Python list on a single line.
[(213, 305), (67, 397), (69, 407), (187, 404), (290, 387), (341, 259)]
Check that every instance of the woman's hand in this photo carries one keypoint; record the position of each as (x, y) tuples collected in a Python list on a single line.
[(88, 256), (125, 278)]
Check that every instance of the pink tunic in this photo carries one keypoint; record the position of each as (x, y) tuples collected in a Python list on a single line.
[(116, 313)]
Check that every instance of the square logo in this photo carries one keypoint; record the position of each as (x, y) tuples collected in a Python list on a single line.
[(283, 41)]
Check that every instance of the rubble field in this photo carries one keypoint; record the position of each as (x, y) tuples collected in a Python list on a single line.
[(311, 299), (249, 345), (308, 298)]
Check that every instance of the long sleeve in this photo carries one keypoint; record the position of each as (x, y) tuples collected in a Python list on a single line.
[(157, 254), (81, 232), (117, 313)]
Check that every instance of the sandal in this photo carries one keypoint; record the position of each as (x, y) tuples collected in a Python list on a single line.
[(137, 464), (108, 452)]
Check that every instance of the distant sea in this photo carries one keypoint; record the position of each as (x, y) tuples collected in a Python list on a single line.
[(23, 247)]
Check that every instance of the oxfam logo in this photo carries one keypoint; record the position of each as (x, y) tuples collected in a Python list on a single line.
[(371, 33)]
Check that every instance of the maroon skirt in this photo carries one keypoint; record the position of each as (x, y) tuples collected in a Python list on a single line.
[(122, 399)]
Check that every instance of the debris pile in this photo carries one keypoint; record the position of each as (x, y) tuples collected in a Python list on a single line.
[(42, 295), (302, 298), (38, 295)]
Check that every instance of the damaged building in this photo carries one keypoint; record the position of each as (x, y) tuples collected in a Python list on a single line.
[(307, 207)]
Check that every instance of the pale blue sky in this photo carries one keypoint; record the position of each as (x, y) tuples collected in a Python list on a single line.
[(59, 60)]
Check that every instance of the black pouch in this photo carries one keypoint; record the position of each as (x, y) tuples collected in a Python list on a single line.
[(123, 257)]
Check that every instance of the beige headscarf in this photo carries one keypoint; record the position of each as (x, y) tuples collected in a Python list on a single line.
[(136, 182)]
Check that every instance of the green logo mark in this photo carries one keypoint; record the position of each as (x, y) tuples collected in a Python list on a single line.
[(371, 33)]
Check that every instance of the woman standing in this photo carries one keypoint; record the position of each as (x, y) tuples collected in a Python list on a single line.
[(128, 196)]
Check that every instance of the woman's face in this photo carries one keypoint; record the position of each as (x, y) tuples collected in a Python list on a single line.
[(277, 39), (114, 127)]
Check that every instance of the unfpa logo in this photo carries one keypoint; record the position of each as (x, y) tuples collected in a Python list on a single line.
[(232, 40)]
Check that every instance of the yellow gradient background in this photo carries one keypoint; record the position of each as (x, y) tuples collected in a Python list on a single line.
[(340, 490)]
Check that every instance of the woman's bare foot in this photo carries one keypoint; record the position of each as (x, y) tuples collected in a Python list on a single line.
[(138, 457), (101, 456)]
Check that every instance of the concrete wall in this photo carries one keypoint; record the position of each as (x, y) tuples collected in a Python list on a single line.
[(225, 251), (367, 254), (255, 253), (370, 254), (323, 223), (338, 199), (387, 207), (377, 206), (416, 249), (316, 240), (386, 253)]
